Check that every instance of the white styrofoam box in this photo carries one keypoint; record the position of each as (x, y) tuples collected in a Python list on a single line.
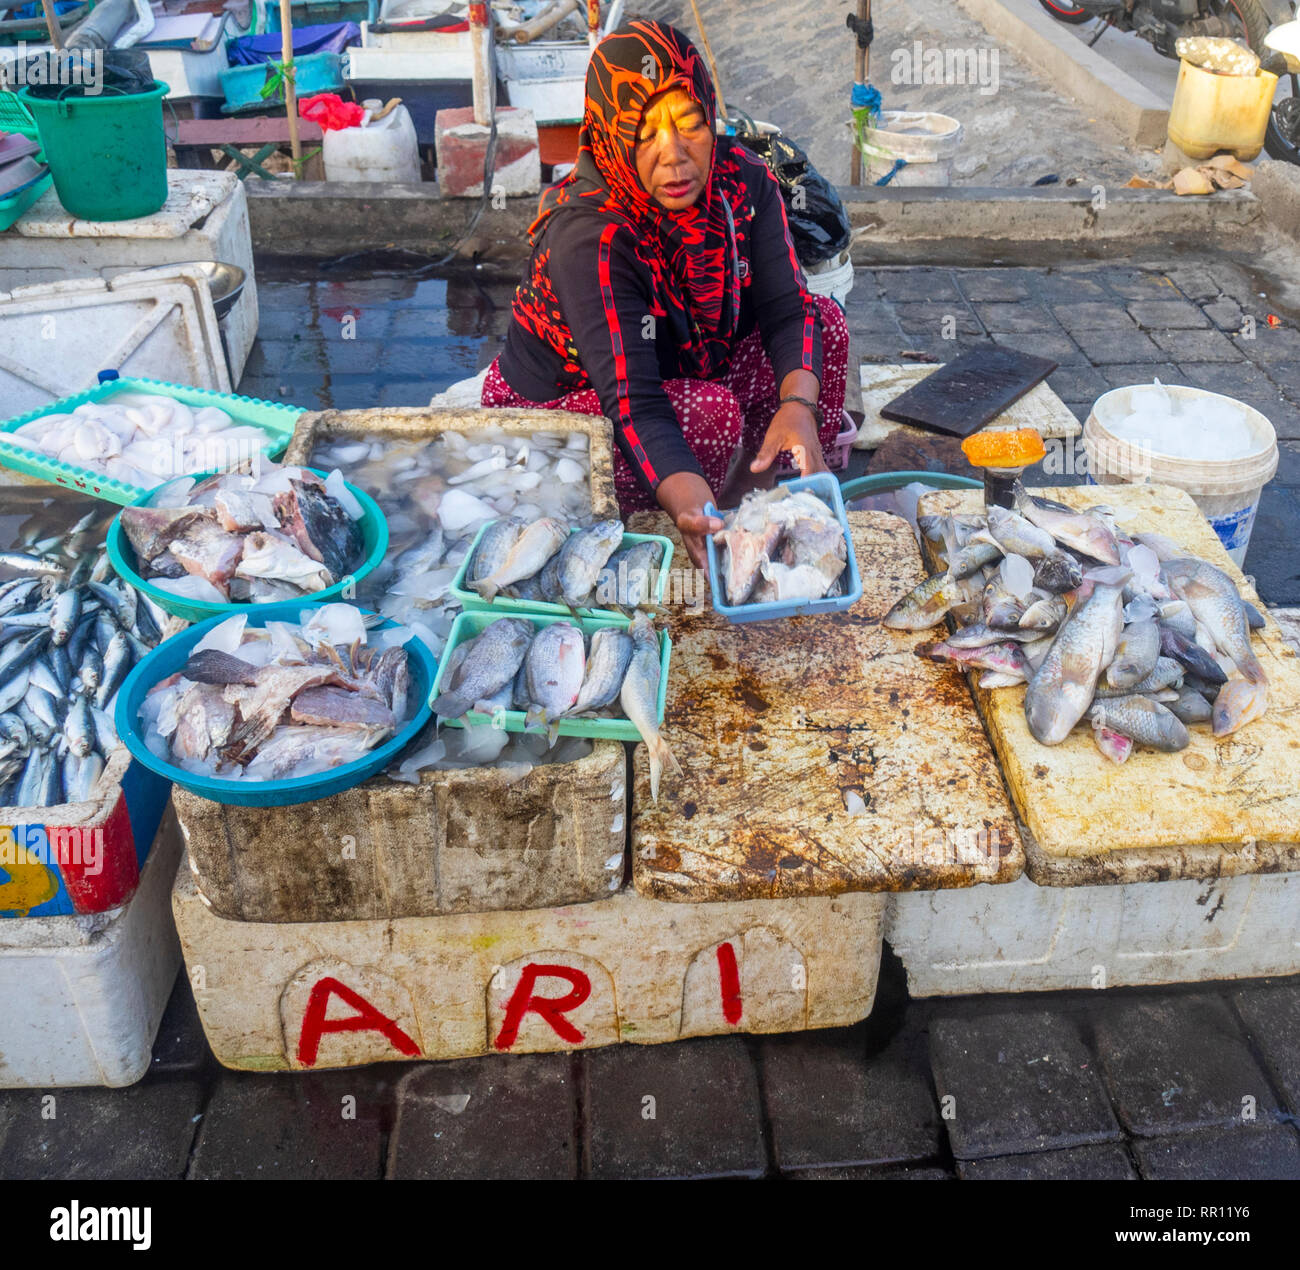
[(1025, 938), (81, 997), (205, 218)]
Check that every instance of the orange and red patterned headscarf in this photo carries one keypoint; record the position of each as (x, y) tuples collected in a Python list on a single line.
[(691, 253)]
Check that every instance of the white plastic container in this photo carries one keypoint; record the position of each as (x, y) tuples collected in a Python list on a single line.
[(383, 150), (1227, 491), (925, 141), (81, 997), (832, 277)]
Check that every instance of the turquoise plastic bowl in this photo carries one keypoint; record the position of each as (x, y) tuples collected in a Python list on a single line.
[(374, 537), (173, 653)]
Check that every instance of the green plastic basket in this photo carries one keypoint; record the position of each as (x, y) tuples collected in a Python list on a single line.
[(504, 605), (276, 419), (468, 625), (14, 118)]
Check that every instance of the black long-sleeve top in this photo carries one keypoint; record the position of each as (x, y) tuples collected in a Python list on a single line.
[(586, 265)]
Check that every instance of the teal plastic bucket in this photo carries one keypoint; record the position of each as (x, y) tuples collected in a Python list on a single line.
[(107, 154)]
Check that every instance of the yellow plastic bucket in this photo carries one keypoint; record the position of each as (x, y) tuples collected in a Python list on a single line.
[(1220, 112)]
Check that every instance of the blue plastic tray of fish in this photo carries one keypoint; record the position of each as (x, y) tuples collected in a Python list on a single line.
[(827, 488), (471, 624), (471, 601)]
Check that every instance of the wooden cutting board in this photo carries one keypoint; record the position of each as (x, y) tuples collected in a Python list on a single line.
[(1241, 789), (776, 723)]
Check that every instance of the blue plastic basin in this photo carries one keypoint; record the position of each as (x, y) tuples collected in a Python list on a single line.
[(172, 654)]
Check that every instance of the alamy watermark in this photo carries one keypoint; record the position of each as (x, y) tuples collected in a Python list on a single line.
[(82, 68), (920, 65)]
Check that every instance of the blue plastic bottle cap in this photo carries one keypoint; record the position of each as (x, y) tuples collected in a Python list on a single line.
[(106, 375)]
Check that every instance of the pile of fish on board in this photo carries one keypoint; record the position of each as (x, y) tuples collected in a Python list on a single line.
[(277, 533), (140, 438), (69, 634), (1126, 631), (553, 673), (282, 701), (436, 494), (553, 562), (781, 545)]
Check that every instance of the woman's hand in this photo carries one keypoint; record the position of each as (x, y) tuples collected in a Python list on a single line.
[(683, 496), (793, 428)]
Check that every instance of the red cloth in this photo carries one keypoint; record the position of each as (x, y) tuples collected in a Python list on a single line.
[(331, 111), (715, 415)]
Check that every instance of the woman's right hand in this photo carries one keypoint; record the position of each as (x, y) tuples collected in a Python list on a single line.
[(683, 496)]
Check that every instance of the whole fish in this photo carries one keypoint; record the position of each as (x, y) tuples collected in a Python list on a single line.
[(1061, 689), (607, 662), (21, 561), (79, 728), (493, 548), (1212, 596), (1239, 702), (1057, 572), (117, 662), (548, 581), (1190, 654), (1005, 659), (978, 635), (1144, 721), (1004, 600), (1014, 534), (1135, 655), (969, 559), (555, 665), (639, 697), (583, 556), (13, 689), (1045, 613), (1166, 673), (927, 605), (21, 653), (530, 551), (493, 661), (64, 614), (81, 774), (120, 601), (35, 778), (628, 578), (45, 707), (1077, 530), (1191, 707)]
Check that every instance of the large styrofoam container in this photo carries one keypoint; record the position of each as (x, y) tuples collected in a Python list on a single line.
[(1027, 938), (381, 150), (1226, 491), (303, 995), (81, 997)]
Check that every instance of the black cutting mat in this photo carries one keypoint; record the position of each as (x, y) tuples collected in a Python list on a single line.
[(970, 391)]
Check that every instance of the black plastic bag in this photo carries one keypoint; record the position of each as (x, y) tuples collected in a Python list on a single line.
[(819, 223), (77, 73)]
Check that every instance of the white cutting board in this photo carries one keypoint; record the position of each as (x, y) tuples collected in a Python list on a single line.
[(55, 338)]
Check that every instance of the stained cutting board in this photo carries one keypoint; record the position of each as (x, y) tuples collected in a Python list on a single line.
[(1239, 790), (775, 723)]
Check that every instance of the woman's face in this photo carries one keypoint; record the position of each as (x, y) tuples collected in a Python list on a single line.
[(674, 149)]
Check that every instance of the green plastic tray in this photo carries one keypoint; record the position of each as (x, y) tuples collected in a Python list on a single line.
[(15, 205), (504, 605), (274, 418), (470, 624)]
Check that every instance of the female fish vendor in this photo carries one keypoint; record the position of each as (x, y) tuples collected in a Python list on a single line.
[(664, 293)]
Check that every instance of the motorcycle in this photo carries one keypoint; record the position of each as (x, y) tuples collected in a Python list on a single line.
[(1251, 22)]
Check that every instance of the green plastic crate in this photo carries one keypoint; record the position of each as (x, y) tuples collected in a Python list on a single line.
[(14, 118), (468, 625), (276, 419), (507, 606)]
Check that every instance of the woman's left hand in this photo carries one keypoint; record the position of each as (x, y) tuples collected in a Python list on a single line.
[(792, 428)]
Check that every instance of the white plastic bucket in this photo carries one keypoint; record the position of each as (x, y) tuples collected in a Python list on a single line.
[(925, 141), (1227, 491), (832, 277)]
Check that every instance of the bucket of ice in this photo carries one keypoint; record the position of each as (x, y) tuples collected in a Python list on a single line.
[(1220, 450)]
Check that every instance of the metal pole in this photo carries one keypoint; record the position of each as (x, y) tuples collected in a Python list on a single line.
[(480, 32), (52, 22), (593, 22), (290, 91), (861, 61)]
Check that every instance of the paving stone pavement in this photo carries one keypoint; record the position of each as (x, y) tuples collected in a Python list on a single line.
[(1180, 1082), (1067, 1085)]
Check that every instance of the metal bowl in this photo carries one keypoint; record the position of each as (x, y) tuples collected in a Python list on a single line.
[(226, 282)]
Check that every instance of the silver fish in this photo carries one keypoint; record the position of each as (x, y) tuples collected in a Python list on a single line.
[(583, 556), (639, 697), (493, 661), (1239, 702), (530, 551), (493, 548), (1077, 530), (1144, 721), (1135, 655), (1166, 673), (1191, 707), (117, 662), (1212, 596), (35, 779), (607, 662), (1061, 689), (628, 578), (79, 728), (555, 665), (64, 614), (81, 775)]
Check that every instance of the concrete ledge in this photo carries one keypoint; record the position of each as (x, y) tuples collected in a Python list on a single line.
[(1277, 186), (1070, 65), (968, 219)]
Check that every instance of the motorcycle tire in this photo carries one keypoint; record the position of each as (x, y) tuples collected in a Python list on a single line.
[(1284, 143), (1254, 20), (1064, 11)]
